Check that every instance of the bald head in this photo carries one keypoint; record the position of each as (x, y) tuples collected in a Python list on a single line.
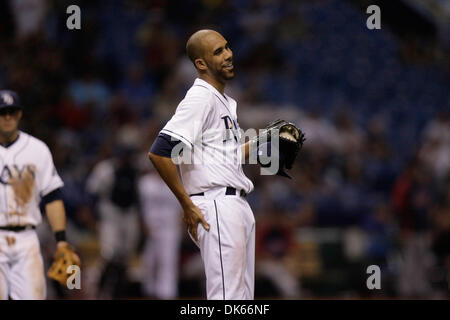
[(211, 56), (195, 46)]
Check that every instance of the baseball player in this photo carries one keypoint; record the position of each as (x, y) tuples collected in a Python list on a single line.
[(211, 193), (212, 187), (161, 216), (114, 182), (28, 179)]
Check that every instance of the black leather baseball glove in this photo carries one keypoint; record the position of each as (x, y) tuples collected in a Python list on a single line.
[(291, 140)]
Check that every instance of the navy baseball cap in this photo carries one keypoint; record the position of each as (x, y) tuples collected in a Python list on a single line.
[(9, 99), (265, 151)]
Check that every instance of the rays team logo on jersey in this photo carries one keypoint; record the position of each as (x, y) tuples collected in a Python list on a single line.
[(21, 179), (11, 174), (231, 129)]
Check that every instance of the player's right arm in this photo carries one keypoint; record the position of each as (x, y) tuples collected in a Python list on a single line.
[(160, 156)]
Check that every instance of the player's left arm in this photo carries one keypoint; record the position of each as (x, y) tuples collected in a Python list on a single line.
[(56, 215), (50, 189), (50, 185), (65, 255)]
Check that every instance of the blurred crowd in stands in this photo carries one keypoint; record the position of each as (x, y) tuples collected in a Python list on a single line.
[(371, 186)]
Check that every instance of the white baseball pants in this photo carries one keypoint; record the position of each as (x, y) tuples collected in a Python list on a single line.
[(228, 248), (21, 266)]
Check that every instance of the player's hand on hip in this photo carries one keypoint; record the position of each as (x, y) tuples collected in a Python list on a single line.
[(192, 216)]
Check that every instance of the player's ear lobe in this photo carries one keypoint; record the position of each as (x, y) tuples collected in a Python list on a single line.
[(200, 64)]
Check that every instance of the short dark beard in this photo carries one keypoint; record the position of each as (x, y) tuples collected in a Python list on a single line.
[(219, 74), (223, 75)]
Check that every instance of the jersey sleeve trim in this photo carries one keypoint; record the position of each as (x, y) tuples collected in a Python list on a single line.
[(58, 185), (52, 196), (163, 145), (178, 137)]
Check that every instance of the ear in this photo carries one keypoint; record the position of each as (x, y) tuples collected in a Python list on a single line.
[(19, 115), (200, 64)]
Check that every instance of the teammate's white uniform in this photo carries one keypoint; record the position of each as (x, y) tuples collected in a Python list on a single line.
[(207, 120), (27, 174), (162, 216)]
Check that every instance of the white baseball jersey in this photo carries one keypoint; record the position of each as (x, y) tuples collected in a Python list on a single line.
[(27, 173), (206, 122)]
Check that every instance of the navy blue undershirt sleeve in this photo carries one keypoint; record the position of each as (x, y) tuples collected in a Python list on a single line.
[(163, 145)]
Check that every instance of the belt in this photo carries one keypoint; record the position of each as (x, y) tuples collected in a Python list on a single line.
[(17, 228), (229, 192)]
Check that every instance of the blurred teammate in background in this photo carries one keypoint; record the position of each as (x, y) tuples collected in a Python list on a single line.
[(114, 182), (162, 214)]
